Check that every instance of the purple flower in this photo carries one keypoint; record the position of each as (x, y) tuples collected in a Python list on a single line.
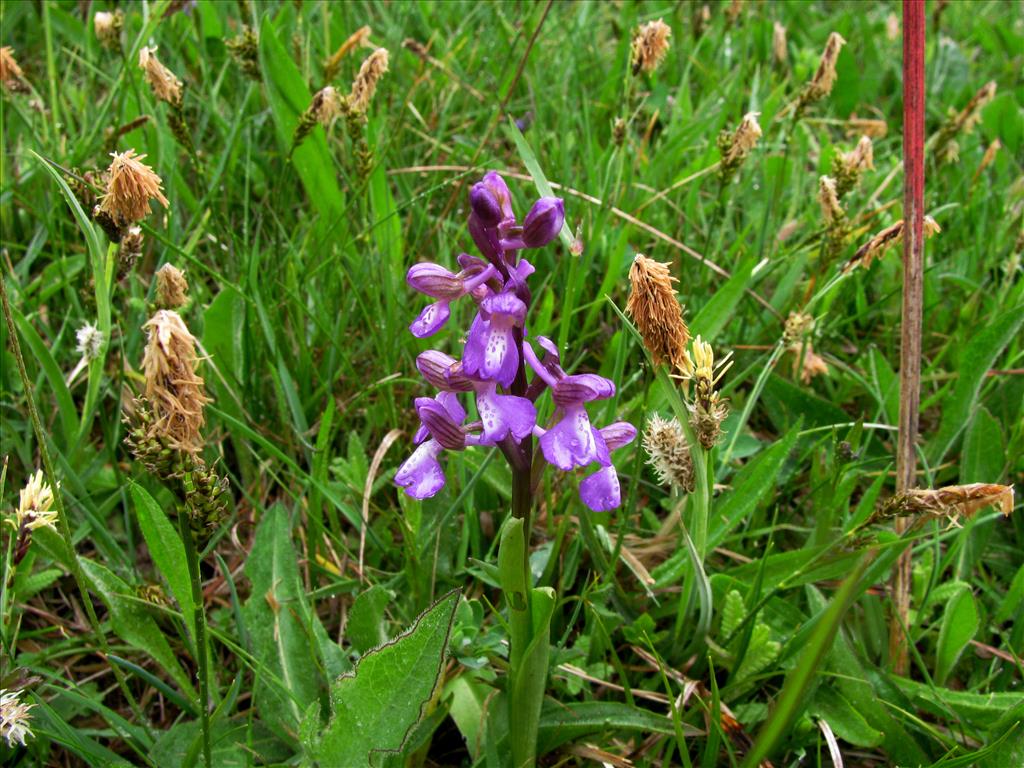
[(600, 491), (491, 349), (572, 441), (542, 225), (502, 415), (445, 286), (421, 475)]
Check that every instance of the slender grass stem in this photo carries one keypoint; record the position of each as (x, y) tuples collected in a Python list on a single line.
[(202, 652)]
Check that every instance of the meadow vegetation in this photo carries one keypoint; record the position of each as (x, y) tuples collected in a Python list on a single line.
[(209, 390)]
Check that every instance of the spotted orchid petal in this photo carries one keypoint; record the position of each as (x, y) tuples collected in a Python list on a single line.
[(431, 319), (600, 491), (421, 475), (573, 442), (502, 415)]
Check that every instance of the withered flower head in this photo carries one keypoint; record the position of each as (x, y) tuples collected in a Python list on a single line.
[(165, 85), (779, 48), (650, 44), (951, 502), (365, 84), (668, 452), (357, 38), (35, 504), (824, 78), (885, 239), (326, 105), (828, 198), (737, 145), (10, 73), (171, 287), (174, 390), (108, 27), (131, 184), (14, 718), (656, 311), (732, 13)]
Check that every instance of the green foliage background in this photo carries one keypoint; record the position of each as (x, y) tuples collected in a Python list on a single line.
[(296, 268)]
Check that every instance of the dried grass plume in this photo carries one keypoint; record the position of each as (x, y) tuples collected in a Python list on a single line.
[(657, 313), (365, 84), (174, 390), (10, 73), (884, 240), (668, 453), (650, 44), (165, 85), (779, 47), (131, 184), (359, 37), (951, 502), (171, 287)]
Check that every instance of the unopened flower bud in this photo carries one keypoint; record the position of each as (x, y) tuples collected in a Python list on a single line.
[(440, 424), (443, 371), (485, 205), (434, 280), (543, 222)]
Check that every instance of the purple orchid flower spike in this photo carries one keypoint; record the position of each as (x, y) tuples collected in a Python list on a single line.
[(492, 351), (495, 360)]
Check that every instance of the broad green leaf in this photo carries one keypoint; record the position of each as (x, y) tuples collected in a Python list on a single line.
[(167, 550), (1013, 601), (844, 719), (977, 708), (366, 626), (376, 706), (133, 623), (567, 722), (786, 403), (982, 457), (959, 625), (278, 618), (749, 487), (530, 679), (233, 745), (978, 356)]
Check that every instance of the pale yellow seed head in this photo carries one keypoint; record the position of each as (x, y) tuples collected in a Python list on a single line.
[(779, 47), (365, 84), (35, 504)]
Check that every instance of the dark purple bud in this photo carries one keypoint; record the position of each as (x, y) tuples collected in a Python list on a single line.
[(434, 280), (543, 222), (440, 424), (484, 204), (436, 368), (493, 181)]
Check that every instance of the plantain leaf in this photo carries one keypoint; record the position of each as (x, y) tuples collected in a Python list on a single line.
[(378, 705), (959, 625)]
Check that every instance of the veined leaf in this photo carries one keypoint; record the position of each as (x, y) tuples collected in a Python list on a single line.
[(376, 706)]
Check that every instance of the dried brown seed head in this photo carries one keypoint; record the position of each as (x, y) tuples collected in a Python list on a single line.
[(357, 38), (166, 87), (365, 84), (325, 106), (736, 146), (174, 390), (885, 239), (779, 47), (828, 198), (131, 184), (824, 78), (656, 311), (872, 128), (10, 73), (951, 502), (650, 44), (171, 287)]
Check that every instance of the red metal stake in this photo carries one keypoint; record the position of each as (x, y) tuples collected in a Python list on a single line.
[(913, 299)]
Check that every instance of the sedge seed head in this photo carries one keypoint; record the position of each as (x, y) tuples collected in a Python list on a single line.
[(650, 44), (166, 87), (654, 308)]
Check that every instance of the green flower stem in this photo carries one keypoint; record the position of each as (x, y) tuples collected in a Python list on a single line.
[(63, 528), (199, 615)]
